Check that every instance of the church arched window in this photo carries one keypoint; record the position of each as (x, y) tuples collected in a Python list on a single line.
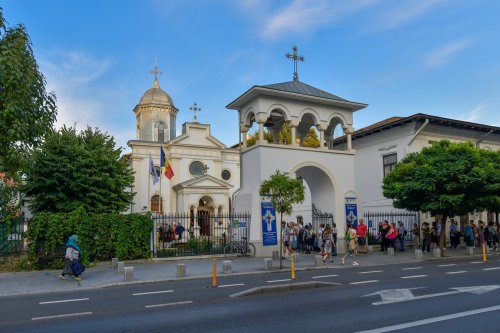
[(161, 132), (157, 204)]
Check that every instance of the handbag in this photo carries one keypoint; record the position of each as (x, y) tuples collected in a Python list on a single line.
[(77, 267)]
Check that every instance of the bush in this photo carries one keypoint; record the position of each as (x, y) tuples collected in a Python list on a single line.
[(101, 236)]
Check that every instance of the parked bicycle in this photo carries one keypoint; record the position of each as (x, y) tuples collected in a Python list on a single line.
[(237, 248)]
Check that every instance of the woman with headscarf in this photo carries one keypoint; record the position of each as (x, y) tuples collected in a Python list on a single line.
[(72, 254)]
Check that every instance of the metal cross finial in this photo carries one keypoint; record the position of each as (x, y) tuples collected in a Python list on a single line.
[(295, 58), (155, 71), (195, 109)]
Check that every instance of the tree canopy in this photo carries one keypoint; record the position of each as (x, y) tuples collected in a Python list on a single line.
[(446, 179), (285, 135), (283, 191), (72, 170), (27, 111)]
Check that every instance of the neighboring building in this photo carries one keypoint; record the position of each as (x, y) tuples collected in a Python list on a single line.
[(381, 145), (206, 172)]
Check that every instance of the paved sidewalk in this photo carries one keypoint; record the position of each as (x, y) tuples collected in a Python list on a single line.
[(103, 275)]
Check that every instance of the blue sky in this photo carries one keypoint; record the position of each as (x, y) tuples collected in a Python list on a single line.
[(440, 57)]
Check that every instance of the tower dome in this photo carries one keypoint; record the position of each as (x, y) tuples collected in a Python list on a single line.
[(156, 96)]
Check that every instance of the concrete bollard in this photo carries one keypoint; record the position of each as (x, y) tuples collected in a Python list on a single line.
[(276, 255), (487, 249), (114, 263), (318, 261), (370, 249), (436, 253), (227, 266), (390, 251), (268, 264), (181, 270), (120, 267), (419, 254), (469, 250), (128, 273), (296, 257)]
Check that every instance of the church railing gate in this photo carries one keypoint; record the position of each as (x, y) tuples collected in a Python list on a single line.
[(372, 219), (184, 234), (318, 218)]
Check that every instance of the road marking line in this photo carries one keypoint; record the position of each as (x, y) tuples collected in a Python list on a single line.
[(457, 272), (273, 281), (431, 320), (63, 315), (231, 285), (413, 276), (369, 272), (490, 269), (65, 300), (167, 304), (447, 265), (408, 268), (153, 292), (361, 282), (323, 276), (476, 262)]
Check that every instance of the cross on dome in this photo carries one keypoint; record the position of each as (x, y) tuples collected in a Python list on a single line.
[(295, 57), (155, 72), (195, 109)]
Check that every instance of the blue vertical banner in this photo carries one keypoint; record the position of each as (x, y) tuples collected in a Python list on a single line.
[(269, 233), (351, 211)]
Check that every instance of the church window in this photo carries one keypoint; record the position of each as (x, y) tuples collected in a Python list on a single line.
[(197, 169), (226, 174), (157, 204), (161, 132), (389, 163)]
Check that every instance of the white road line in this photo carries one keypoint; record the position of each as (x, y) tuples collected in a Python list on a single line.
[(273, 281), (413, 276), (431, 320), (65, 300), (457, 272), (63, 315), (323, 276), (447, 265), (370, 272), (167, 304), (490, 269), (153, 292), (476, 262), (409, 268), (362, 282), (230, 285)]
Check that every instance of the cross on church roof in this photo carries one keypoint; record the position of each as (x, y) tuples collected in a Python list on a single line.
[(295, 58), (155, 71), (195, 109)]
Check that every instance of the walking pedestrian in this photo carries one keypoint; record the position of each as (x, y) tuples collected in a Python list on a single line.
[(292, 239), (426, 237), (351, 245), (328, 243), (285, 232), (392, 234), (416, 235), (401, 236), (361, 233), (454, 234), (71, 264), (469, 234), (383, 235), (335, 234)]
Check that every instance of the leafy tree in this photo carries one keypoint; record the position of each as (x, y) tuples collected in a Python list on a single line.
[(490, 199), (446, 179), (283, 192), (27, 111), (311, 139), (72, 170), (9, 200)]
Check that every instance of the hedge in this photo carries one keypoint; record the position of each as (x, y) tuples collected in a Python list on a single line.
[(100, 236)]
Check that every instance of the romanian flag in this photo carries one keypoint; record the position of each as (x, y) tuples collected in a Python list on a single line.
[(164, 163)]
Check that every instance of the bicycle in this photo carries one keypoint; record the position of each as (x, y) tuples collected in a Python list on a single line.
[(237, 248)]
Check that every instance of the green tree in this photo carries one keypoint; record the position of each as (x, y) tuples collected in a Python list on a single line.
[(27, 111), (446, 179), (284, 192), (490, 199), (311, 139), (72, 170)]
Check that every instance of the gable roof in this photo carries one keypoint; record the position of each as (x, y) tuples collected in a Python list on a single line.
[(205, 181), (301, 88)]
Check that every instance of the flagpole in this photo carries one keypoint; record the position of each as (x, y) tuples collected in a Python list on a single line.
[(149, 185)]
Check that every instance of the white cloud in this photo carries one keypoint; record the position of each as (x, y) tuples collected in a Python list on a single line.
[(407, 12), (476, 114), (303, 16), (442, 55)]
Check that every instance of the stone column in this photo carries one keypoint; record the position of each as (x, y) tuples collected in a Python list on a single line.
[(294, 135), (196, 226), (261, 133), (348, 131), (322, 128)]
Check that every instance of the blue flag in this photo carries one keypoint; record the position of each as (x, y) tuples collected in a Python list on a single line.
[(152, 170)]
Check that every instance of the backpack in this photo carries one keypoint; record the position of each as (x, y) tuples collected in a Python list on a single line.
[(307, 235), (348, 235), (301, 234)]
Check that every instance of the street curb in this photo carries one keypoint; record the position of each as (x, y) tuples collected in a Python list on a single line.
[(284, 287)]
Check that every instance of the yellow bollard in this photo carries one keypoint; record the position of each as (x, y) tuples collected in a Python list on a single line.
[(214, 273), (484, 252), (293, 266)]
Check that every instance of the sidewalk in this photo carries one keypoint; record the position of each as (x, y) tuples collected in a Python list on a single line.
[(103, 275)]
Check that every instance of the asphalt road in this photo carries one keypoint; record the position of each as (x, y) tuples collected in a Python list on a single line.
[(419, 296)]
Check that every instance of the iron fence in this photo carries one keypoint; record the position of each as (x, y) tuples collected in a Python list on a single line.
[(372, 219), (11, 238), (187, 234)]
